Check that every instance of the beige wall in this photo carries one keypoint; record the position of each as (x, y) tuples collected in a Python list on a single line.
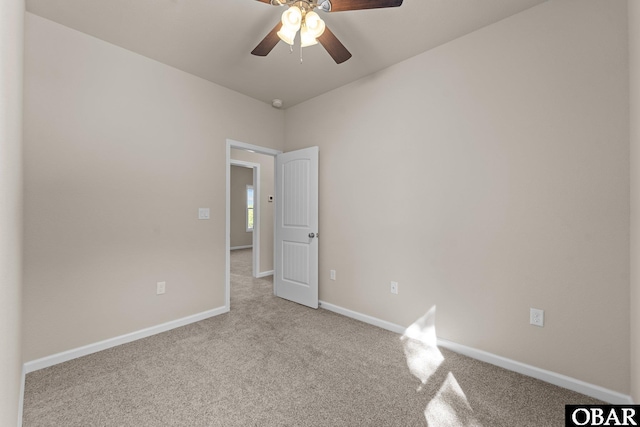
[(634, 72), (488, 176), (515, 138), (240, 178), (11, 52), (267, 188), (120, 152)]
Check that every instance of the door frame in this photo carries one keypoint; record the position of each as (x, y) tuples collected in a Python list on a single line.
[(257, 149)]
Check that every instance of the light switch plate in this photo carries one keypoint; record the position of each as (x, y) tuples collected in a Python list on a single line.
[(204, 213)]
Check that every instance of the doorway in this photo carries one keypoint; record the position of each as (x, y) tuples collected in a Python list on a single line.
[(244, 181), (262, 161), (290, 236)]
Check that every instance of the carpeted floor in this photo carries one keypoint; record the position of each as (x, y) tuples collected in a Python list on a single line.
[(270, 362)]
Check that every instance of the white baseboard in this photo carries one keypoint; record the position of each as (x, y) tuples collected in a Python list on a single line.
[(554, 378), (265, 274), (363, 318), (54, 359), (560, 380), (234, 248)]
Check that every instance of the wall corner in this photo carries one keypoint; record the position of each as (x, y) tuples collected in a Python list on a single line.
[(634, 134)]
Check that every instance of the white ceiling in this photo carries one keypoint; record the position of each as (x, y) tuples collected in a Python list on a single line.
[(213, 39)]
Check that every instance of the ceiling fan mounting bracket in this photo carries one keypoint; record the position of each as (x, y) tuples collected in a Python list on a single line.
[(306, 5)]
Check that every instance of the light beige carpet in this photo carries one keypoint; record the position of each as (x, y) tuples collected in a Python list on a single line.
[(270, 362)]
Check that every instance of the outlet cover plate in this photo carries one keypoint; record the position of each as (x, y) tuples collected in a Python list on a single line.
[(394, 288), (160, 288), (536, 317)]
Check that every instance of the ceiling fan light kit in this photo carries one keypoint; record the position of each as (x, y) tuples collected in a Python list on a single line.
[(291, 21), (300, 16)]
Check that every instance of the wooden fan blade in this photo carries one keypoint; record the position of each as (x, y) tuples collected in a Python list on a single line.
[(341, 5), (268, 43), (338, 52), (272, 2)]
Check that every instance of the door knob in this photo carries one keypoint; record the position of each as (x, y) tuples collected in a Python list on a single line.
[(311, 235)]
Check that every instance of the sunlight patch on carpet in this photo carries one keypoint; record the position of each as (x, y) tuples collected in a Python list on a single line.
[(450, 407), (420, 345)]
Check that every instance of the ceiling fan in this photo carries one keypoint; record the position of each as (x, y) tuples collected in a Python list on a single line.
[(301, 16)]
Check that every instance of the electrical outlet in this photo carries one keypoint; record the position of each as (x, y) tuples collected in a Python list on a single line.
[(394, 288), (536, 317), (333, 274), (160, 288)]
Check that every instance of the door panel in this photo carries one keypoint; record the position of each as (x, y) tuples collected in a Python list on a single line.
[(296, 272)]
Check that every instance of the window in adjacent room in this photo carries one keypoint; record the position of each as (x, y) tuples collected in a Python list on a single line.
[(249, 208)]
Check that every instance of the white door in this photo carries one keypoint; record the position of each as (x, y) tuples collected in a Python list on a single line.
[(296, 240)]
